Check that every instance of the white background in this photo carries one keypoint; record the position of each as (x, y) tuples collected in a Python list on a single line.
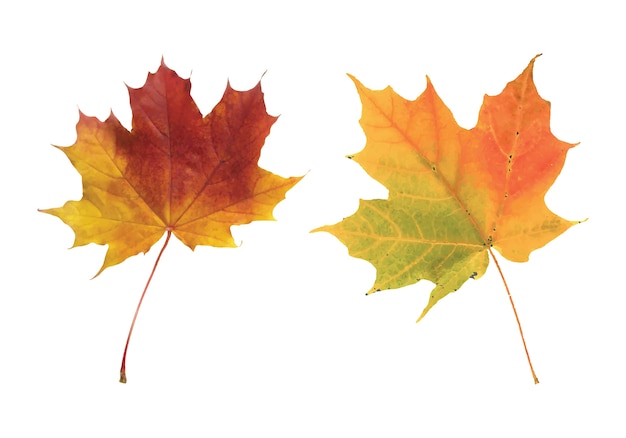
[(276, 338)]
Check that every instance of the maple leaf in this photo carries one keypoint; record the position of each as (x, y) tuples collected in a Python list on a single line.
[(453, 193), (175, 172)]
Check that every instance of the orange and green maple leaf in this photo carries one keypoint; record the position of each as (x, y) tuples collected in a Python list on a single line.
[(175, 171), (453, 193)]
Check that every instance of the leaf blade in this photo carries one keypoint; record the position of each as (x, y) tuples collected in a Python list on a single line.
[(452, 186), (174, 171)]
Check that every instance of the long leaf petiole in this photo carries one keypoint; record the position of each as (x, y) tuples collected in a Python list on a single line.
[(519, 325), (132, 325)]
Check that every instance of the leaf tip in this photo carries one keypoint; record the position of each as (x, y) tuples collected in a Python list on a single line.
[(424, 312), (429, 85), (356, 82), (103, 267), (531, 65)]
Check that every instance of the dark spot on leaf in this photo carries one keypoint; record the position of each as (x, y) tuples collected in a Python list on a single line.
[(473, 276)]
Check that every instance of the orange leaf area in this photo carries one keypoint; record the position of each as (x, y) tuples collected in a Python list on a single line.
[(174, 171), (453, 193)]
